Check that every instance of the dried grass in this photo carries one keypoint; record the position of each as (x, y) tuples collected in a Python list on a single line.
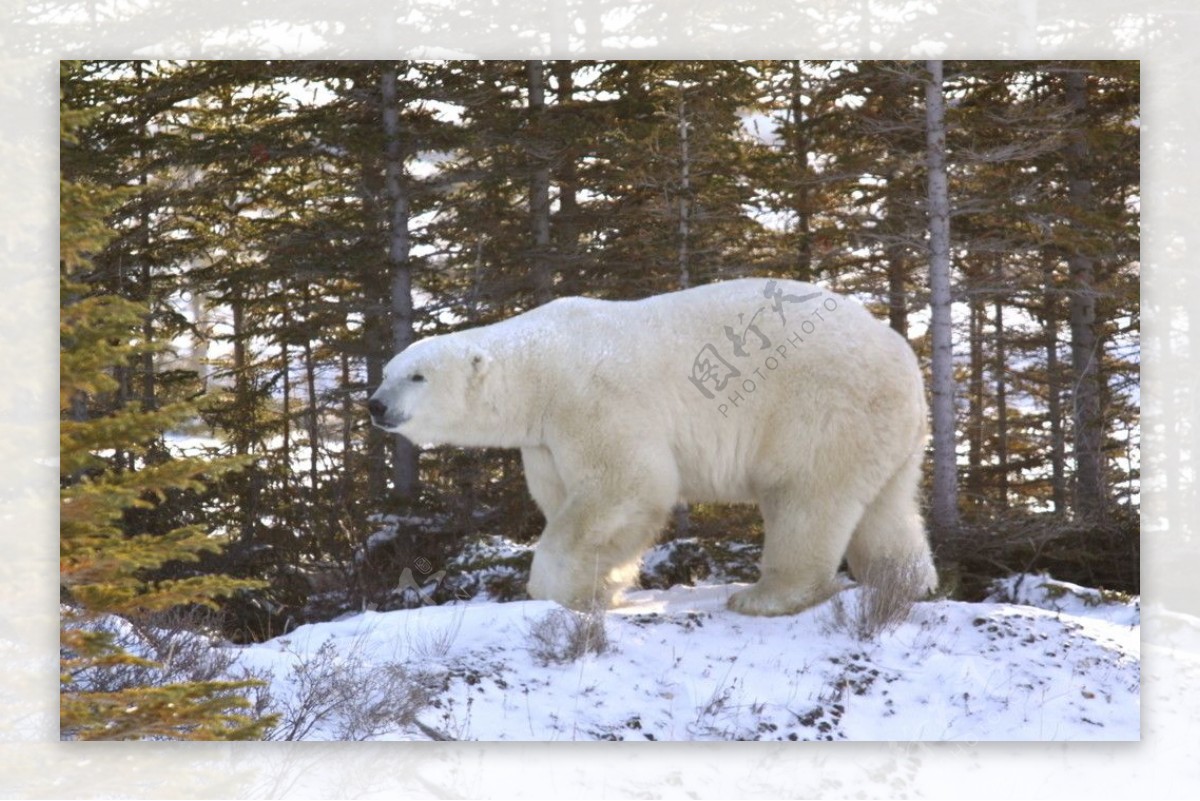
[(565, 635), (887, 592)]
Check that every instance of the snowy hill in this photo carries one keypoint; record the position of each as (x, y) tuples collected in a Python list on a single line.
[(1042, 660)]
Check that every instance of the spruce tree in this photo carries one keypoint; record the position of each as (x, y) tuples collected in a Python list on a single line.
[(113, 462)]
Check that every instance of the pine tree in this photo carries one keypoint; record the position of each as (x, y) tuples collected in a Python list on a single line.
[(675, 172)]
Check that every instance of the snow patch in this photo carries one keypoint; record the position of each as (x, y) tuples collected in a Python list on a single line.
[(678, 665)]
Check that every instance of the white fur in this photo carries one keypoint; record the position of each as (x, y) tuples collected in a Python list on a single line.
[(596, 394)]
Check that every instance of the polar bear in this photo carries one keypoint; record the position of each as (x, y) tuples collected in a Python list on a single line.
[(772, 392)]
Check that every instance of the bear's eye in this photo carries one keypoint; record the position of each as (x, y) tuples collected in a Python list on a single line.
[(417, 377)]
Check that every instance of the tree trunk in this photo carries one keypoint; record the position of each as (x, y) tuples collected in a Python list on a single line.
[(243, 399), (203, 329), (348, 416), (567, 222), (313, 416), (377, 355), (149, 391), (683, 515), (285, 364), (1058, 481), (539, 184), (894, 233), (1001, 369), (944, 507), (241, 389), (404, 453), (897, 295), (975, 405), (685, 189), (800, 194), (1085, 351)]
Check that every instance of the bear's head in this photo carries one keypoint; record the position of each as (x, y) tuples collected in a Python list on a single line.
[(432, 392)]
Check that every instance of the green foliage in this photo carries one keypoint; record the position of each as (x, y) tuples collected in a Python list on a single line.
[(104, 569), (211, 710), (113, 461)]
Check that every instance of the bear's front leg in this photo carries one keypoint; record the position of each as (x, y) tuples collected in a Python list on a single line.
[(591, 548), (565, 577)]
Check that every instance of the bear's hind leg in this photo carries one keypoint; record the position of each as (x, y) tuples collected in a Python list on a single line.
[(889, 545), (804, 540)]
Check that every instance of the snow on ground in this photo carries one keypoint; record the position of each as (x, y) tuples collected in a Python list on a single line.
[(1045, 660)]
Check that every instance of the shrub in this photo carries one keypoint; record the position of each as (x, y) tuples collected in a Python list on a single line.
[(339, 695), (565, 635), (884, 599)]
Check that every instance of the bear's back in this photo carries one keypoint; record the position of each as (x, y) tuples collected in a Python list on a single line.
[(727, 377)]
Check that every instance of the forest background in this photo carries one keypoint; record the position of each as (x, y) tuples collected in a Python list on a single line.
[(245, 244)]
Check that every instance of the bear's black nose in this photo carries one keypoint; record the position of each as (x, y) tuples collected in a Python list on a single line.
[(377, 408)]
